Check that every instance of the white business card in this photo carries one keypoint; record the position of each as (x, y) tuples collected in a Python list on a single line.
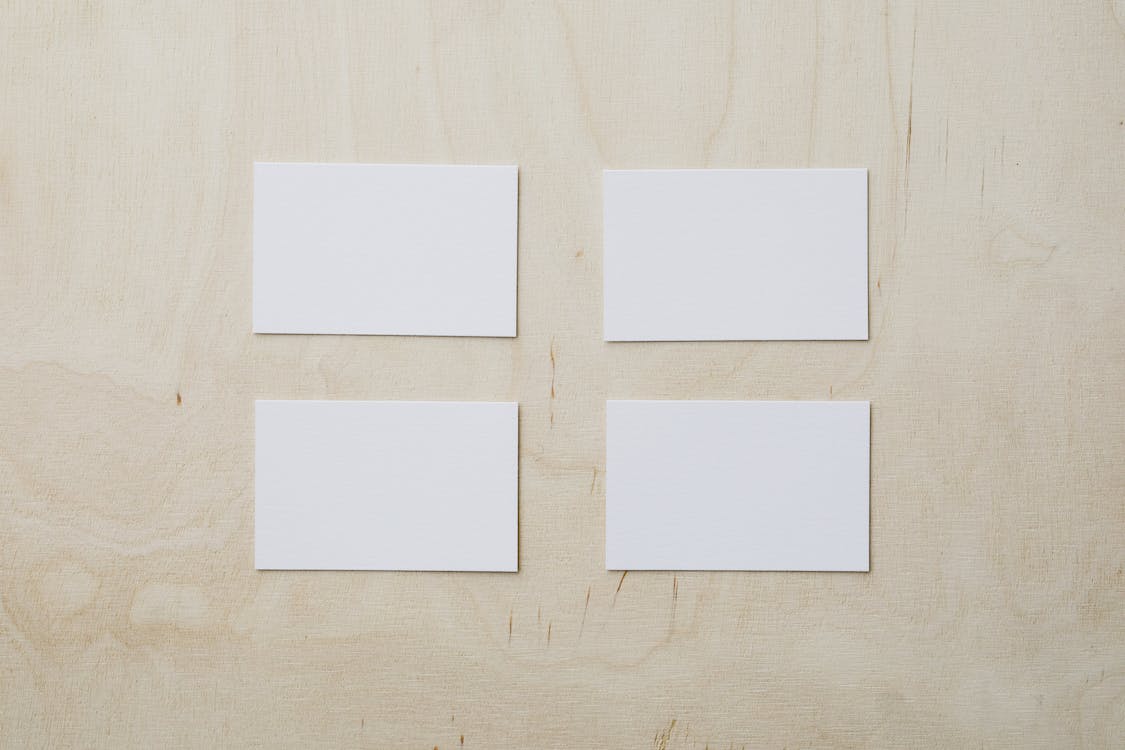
[(737, 485), (393, 249), (735, 254), (386, 485)]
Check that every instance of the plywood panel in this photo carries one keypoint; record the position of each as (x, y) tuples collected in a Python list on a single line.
[(130, 612)]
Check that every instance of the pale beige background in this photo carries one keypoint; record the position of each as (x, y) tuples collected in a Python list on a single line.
[(994, 614)]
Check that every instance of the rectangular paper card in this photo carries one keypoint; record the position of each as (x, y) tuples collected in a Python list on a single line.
[(735, 254), (385, 249), (385, 485), (737, 485)]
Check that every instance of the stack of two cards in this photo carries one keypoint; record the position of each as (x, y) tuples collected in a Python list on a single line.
[(688, 255)]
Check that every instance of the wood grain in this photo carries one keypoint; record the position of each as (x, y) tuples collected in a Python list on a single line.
[(130, 613)]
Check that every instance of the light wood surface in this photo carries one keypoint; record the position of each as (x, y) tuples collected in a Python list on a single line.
[(994, 614)]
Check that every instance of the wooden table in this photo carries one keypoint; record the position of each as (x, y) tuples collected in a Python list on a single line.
[(994, 613)]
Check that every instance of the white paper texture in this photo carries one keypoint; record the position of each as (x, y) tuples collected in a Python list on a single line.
[(418, 250), (386, 485), (737, 485), (735, 254)]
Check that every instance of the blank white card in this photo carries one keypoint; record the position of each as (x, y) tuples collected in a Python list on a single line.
[(385, 485), (735, 254), (737, 485), (401, 249)]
